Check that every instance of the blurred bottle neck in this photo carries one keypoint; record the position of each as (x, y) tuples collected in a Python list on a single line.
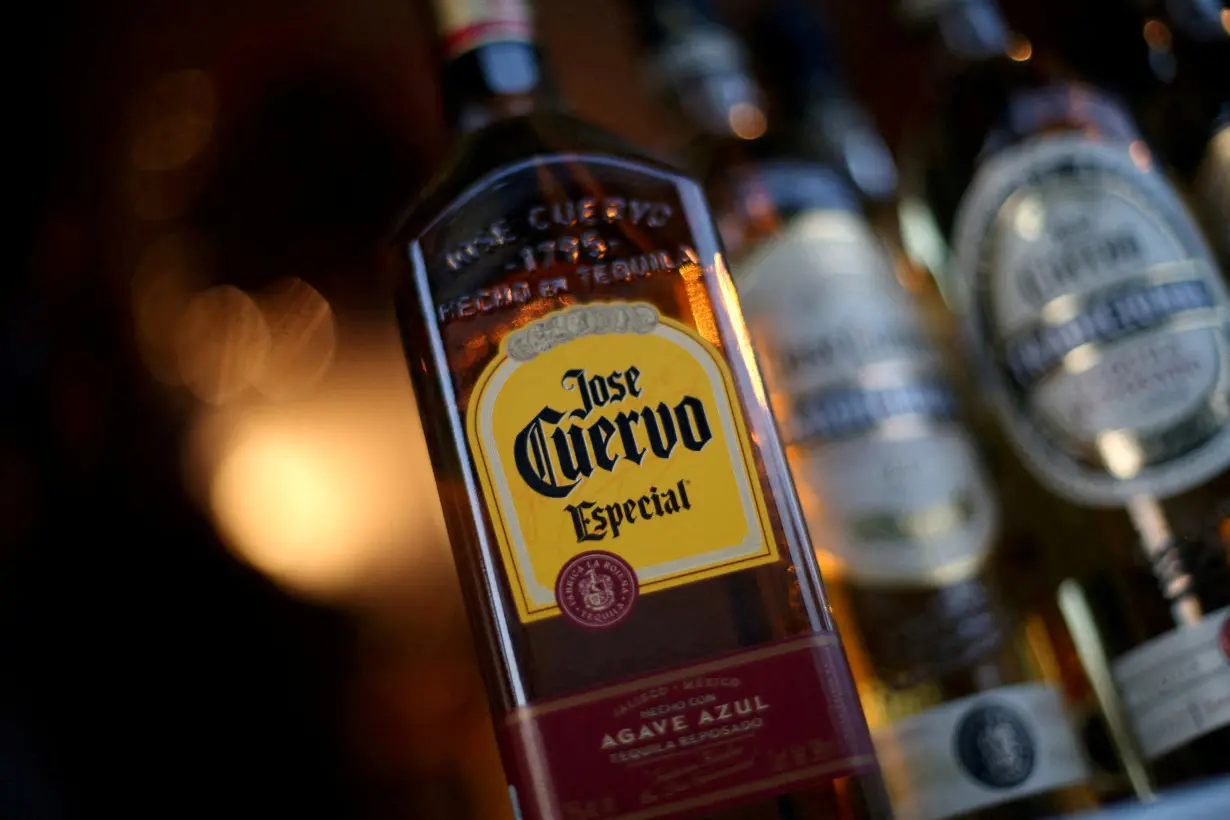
[(968, 30), (793, 43), (701, 69), (492, 68)]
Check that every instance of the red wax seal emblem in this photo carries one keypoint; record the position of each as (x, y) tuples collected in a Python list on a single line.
[(1224, 638), (596, 589)]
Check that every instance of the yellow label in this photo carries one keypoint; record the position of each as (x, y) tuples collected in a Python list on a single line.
[(608, 427)]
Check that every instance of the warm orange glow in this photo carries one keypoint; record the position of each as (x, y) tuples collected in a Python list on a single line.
[(1225, 20), (1020, 49), (222, 344), (173, 121), (332, 497), (1223, 530), (747, 121), (698, 300), (730, 299), (1141, 155), (1042, 648), (1157, 35), (304, 339), (283, 499)]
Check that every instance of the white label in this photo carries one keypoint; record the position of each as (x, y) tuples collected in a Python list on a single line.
[(892, 485), (1177, 687), (980, 751), (1100, 318)]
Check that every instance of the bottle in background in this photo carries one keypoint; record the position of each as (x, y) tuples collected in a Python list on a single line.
[(897, 500), (1169, 60), (795, 56), (1099, 320), (656, 636)]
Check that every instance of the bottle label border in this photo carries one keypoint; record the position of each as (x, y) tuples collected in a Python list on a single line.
[(729, 730), (995, 184)]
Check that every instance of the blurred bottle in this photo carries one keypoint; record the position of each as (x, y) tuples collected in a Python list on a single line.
[(794, 51), (795, 55), (1098, 319), (896, 497)]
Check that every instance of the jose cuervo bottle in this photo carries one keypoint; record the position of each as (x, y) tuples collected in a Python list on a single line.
[(642, 587)]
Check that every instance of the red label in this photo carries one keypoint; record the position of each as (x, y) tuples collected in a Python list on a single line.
[(746, 726)]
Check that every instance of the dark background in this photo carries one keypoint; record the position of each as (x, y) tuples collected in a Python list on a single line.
[(148, 665)]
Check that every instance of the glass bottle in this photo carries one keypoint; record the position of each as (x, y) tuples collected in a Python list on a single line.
[(655, 632), (1098, 319)]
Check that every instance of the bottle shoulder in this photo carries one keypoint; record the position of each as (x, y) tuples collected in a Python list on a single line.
[(480, 158)]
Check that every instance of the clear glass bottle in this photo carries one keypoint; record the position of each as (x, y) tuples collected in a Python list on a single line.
[(654, 627), (1098, 318)]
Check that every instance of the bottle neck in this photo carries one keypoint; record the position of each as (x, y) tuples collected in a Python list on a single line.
[(492, 69), (792, 42), (968, 30), (701, 68)]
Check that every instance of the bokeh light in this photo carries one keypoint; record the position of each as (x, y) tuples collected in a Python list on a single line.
[(1141, 155), (331, 496), (1019, 49), (222, 344), (747, 121), (303, 339)]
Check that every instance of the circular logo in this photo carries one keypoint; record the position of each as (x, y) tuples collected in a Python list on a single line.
[(1224, 638), (596, 589), (994, 746)]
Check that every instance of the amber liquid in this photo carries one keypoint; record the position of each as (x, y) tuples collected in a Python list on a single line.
[(525, 662)]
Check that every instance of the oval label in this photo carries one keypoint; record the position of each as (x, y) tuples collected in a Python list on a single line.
[(1101, 319), (884, 469)]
